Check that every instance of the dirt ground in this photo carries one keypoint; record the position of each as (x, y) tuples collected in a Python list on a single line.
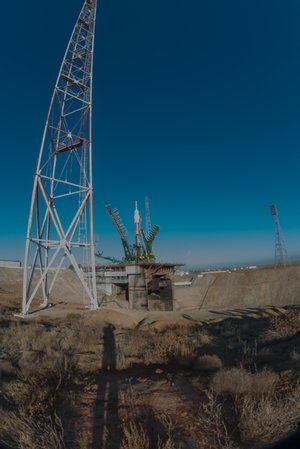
[(116, 379)]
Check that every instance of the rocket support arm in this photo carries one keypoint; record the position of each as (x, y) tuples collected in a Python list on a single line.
[(148, 242), (117, 222)]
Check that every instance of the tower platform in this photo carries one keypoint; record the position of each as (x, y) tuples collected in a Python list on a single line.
[(142, 286)]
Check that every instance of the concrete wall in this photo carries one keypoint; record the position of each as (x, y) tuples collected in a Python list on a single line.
[(10, 264), (67, 288), (275, 286), (137, 292)]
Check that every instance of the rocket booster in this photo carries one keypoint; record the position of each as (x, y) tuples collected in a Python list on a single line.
[(137, 221), (137, 218)]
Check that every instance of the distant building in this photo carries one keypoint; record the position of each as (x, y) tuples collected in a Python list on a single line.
[(203, 273), (182, 284), (10, 264)]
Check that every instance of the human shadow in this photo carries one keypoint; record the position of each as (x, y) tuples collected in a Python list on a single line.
[(106, 433)]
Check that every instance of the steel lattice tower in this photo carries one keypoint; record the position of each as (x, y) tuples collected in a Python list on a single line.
[(280, 249), (60, 226), (147, 213)]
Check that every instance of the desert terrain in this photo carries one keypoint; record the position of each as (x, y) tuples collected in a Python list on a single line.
[(197, 378)]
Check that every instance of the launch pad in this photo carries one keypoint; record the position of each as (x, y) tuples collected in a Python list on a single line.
[(143, 286), (138, 281)]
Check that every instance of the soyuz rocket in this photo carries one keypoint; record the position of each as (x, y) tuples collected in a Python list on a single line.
[(137, 222)]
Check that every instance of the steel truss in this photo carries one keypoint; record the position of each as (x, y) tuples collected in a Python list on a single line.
[(281, 257), (60, 226)]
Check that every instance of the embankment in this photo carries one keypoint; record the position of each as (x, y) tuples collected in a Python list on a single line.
[(266, 286)]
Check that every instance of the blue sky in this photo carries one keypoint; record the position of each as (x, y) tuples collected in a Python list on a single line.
[(195, 103)]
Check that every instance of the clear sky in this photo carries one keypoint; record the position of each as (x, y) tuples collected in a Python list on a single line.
[(196, 103)]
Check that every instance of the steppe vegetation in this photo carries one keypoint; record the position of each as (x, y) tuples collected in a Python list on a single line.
[(85, 383)]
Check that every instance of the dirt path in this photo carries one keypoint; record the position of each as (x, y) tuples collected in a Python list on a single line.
[(105, 402)]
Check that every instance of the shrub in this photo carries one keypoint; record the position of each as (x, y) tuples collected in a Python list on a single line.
[(164, 348), (134, 437), (237, 381), (73, 316), (295, 356), (264, 420), (213, 430), (284, 326), (208, 363), (6, 369), (28, 433), (87, 333)]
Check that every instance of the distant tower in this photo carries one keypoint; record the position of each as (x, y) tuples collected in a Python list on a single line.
[(280, 250), (60, 226), (147, 213)]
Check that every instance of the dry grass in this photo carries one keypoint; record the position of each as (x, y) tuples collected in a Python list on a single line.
[(169, 444), (174, 346), (245, 418), (35, 338), (7, 370), (284, 326), (260, 415), (169, 428), (42, 394), (43, 362), (134, 437), (43, 366), (85, 337), (73, 316), (237, 381), (23, 432), (264, 420), (208, 363), (26, 344), (295, 356), (40, 363), (213, 430), (148, 348), (144, 426), (87, 333)]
